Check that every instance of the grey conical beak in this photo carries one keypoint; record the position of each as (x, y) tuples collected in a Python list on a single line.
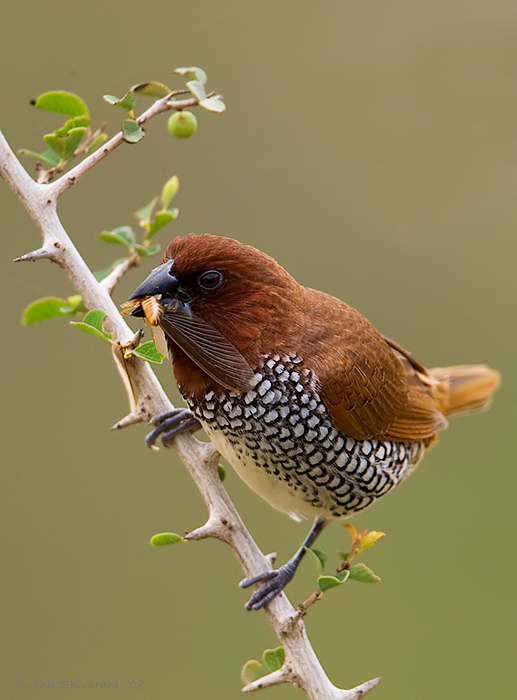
[(158, 282)]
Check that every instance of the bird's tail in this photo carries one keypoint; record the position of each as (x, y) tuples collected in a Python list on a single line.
[(464, 388)]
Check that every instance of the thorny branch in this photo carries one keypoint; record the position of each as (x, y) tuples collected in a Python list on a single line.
[(147, 398)]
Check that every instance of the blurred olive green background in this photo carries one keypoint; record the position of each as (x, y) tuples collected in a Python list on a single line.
[(371, 147)]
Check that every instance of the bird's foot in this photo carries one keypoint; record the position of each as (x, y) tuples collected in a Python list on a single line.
[(274, 583), (170, 424)]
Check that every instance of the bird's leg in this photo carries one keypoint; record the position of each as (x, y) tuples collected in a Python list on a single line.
[(172, 423), (275, 581)]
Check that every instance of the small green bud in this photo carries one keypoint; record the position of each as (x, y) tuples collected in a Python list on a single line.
[(182, 124)]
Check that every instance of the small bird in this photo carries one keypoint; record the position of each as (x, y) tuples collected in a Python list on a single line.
[(315, 410)]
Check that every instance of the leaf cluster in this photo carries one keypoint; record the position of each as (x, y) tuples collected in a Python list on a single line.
[(347, 570), (272, 660), (151, 219), (72, 138)]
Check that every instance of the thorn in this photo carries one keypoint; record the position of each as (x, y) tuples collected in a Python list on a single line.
[(39, 254), (138, 415), (212, 528), (134, 342), (275, 678), (360, 690)]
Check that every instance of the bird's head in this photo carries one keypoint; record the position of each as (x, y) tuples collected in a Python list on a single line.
[(224, 305)]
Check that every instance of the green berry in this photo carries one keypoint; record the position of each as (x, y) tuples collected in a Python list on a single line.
[(182, 124)]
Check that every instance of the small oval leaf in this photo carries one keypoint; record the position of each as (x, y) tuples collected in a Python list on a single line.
[(361, 572), (95, 318), (197, 89), (213, 104), (72, 123), (169, 191), (63, 103), (132, 132), (65, 146), (152, 89), (160, 220), (343, 575), (165, 538), (327, 582), (194, 73), (110, 99), (50, 158), (48, 307), (144, 214), (251, 670), (273, 658), (92, 323), (148, 352), (123, 235), (90, 329), (318, 556)]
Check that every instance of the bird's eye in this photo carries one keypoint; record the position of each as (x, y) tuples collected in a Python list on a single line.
[(210, 280)]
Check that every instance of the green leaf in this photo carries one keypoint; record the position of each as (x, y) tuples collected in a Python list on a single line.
[(169, 191), (72, 123), (50, 158), (251, 670), (193, 73), (127, 102), (197, 89), (132, 132), (123, 235), (318, 556), (90, 329), (147, 251), (343, 575), (273, 659), (144, 214), (152, 89), (92, 323), (148, 352), (361, 572), (213, 104), (62, 103), (164, 538), (111, 99), (65, 146), (50, 307), (222, 472), (344, 555), (160, 220), (327, 582), (95, 318)]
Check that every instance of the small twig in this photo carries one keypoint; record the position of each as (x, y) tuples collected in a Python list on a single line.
[(39, 254), (275, 678), (313, 598), (110, 281)]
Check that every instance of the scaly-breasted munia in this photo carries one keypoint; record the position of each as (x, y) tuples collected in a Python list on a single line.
[(316, 411)]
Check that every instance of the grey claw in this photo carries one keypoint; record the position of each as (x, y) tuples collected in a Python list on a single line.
[(170, 424), (275, 582)]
